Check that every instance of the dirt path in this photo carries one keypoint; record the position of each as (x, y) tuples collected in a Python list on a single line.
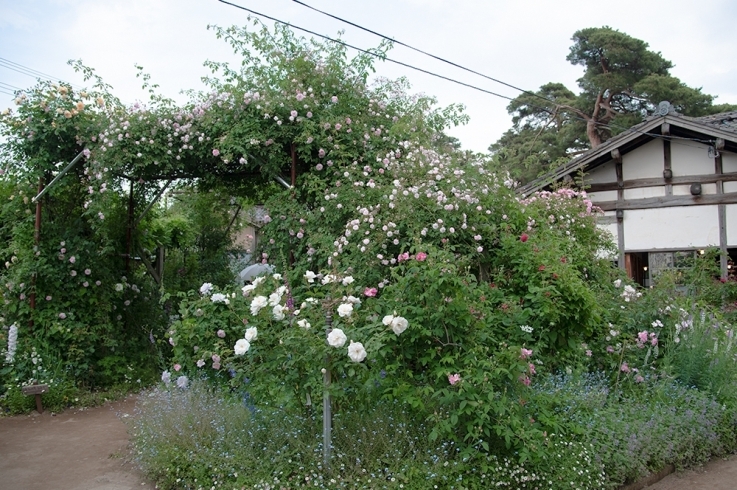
[(719, 474), (80, 449), (87, 449)]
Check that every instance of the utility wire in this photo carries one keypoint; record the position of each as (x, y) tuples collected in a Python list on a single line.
[(371, 53), (11, 65), (3, 91), (422, 52), (8, 86)]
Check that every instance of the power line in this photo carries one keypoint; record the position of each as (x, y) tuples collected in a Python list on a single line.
[(342, 43), (423, 52), (11, 65), (7, 85)]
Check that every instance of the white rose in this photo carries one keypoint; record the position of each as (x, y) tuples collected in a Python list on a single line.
[(241, 347), (258, 280), (348, 280), (399, 324), (274, 299), (278, 312), (352, 300), (205, 289), (336, 338), (248, 288), (329, 278), (310, 276), (356, 351), (345, 309), (387, 320), (277, 277), (220, 298), (304, 324), (251, 334), (258, 303)]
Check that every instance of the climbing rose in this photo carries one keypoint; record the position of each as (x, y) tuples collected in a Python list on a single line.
[(345, 309), (251, 334), (258, 303), (525, 353), (421, 256), (336, 338), (356, 351), (454, 378), (241, 347)]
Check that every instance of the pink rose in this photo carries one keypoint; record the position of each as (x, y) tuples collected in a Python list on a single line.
[(177, 367), (421, 256), (221, 333), (454, 378), (523, 238), (370, 292), (215, 152), (525, 353)]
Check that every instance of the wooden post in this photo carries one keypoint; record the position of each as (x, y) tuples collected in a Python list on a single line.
[(722, 210), (667, 166), (129, 231), (327, 416), (36, 242), (617, 157)]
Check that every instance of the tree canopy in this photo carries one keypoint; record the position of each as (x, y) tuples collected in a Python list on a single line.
[(623, 81)]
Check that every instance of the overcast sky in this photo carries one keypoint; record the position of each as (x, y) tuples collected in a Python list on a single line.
[(522, 42)]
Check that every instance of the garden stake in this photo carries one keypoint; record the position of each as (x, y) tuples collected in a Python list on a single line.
[(327, 417)]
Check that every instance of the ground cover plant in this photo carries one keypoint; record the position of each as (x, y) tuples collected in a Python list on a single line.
[(433, 309)]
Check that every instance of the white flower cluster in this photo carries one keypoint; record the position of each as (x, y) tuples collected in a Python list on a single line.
[(356, 351), (630, 293), (220, 298), (12, 343), (397, 323)]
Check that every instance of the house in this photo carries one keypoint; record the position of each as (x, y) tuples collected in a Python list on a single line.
[(667, 188)]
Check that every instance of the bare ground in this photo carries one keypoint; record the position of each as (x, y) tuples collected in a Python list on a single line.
[(79, 449)]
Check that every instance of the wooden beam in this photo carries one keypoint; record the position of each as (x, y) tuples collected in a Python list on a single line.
[(669, 201), (657, 181), (667, 170), (722, 209)]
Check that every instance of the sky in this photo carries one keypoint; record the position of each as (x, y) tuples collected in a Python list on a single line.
[(521, 42)]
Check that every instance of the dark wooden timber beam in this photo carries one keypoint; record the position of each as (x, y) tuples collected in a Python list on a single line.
[(657, 181), (669, 201)]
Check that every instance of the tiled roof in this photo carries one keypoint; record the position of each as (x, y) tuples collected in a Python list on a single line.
[(726, 121)]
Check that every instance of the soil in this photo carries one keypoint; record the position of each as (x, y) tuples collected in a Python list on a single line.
[(88, 449), (79, 449)]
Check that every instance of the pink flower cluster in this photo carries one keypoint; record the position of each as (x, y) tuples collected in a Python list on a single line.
[(644, 337), (454, 378)]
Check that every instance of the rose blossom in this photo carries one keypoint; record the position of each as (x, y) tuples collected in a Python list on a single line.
[(336, 338), (356, 351), (251, 334), (241, 347), (454, 378)]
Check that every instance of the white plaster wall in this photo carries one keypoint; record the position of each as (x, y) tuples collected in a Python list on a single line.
[(729, 162), (644, 192), (602, 174), (731, 224), (671, 228), (611, 229), (691, 159), (730, 187), (644, 162), (685, 190), (602, 196)]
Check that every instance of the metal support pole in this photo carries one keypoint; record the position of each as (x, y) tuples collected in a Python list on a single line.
[(58, 176), (327, 416)]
